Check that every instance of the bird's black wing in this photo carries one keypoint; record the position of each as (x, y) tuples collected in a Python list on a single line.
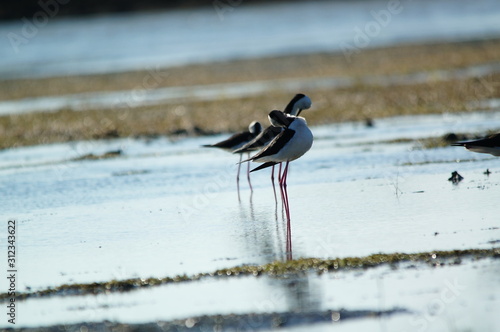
[(232, 141), (264, 165), (260, 140), (276, 144)]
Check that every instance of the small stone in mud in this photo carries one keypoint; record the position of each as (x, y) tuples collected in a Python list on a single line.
[(455, 177), (369, 123)]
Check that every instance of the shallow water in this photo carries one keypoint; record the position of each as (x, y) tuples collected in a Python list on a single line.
[(436, 299), (164, 208), (145, 40)]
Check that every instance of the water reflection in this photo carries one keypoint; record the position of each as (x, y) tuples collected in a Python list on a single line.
[(301, 294), (294, 294), (286, 209), (264, 229)]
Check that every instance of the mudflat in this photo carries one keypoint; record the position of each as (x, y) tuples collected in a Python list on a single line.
[(382, 84)]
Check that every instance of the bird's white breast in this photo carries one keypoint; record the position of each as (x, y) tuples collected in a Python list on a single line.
[(300, 143)]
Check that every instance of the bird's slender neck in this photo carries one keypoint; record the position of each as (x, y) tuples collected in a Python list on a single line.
[(293, 106)]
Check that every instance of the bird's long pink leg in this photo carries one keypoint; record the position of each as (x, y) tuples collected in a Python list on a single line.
[(248, 173), (284, 175), (274, 187), (289, 247), (284, 205), (287, 211), (283, 202), (283, 179), (279, 174), (280, 180), (238, 174)]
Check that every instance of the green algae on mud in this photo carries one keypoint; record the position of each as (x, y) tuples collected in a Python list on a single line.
[(106, 155), (274, 269)]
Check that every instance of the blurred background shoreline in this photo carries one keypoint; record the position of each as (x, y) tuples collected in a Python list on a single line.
[(25, 8), (214, 68), (49, 44)]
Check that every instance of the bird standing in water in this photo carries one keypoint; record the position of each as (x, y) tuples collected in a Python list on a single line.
[(294, 107), (291, 143)]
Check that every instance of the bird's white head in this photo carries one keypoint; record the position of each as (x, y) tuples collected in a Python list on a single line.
[(255, 128), (298, 103)]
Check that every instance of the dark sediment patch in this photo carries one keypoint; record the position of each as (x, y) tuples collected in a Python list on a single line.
[(231, 322)]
